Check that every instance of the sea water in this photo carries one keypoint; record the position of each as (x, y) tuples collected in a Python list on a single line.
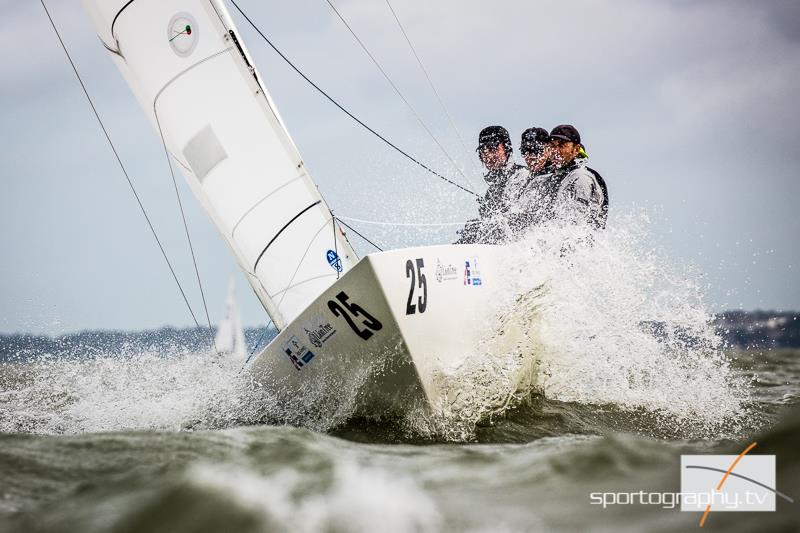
[(629, 375)]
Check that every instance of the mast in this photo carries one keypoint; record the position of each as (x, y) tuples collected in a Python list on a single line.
[(192, 75)]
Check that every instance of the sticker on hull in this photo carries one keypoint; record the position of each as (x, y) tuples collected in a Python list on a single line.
[(472, 276), (297, 352), (446, 272), (319, 331)]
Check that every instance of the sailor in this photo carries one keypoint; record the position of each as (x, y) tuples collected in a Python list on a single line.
[(582, 194), (534, 150), (495, 152), (530, 200)]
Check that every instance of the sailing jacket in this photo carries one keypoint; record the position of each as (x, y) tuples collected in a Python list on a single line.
[(492, 226), (496, 200), (581, 197), (531, 200), (574, 193)]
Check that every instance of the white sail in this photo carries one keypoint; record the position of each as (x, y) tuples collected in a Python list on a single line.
[(190, 71), (229, 340)]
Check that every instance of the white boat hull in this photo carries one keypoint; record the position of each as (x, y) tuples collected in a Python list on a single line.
[(371, 346)]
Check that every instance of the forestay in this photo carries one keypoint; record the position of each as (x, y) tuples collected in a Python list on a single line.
[(191, 73)]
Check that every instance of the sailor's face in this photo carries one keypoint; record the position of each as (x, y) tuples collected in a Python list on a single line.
[(563, 152), (493, 157), (536, 161)]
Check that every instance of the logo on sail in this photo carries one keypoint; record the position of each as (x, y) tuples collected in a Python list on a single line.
[(445, 272), (182, 34), (297, 353), (472, 276), (334, 260)]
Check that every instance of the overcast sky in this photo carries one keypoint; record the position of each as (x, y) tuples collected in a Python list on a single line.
[(688, 108)]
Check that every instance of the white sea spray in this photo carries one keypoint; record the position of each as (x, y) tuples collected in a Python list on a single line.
[(603, 318), (599, 318)]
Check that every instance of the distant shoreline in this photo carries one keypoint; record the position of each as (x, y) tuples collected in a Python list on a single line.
[(739, 329), (760, 329)]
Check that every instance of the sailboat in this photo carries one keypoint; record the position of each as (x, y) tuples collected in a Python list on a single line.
[(382, 333), (229, 340)]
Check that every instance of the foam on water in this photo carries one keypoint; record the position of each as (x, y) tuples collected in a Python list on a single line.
[(146, 390), (110, 392), (386, 501), (620, 324), (600, 318), (612, 323)]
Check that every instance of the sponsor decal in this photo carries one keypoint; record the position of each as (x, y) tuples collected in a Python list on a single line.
[(334, 260), (319, 332), (472, 276), (445, 272), (297, 353)]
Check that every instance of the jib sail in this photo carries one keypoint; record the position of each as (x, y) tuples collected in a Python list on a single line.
[(192, 75)]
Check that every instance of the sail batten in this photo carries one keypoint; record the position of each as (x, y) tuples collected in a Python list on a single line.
[(194, 78), (235, 226)]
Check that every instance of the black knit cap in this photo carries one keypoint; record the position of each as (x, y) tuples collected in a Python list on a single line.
[(493, 136), (533, 141), (566, 132)]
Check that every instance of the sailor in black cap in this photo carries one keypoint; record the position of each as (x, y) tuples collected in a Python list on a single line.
[(495, 151), (531, 199), (581, 193), (534, 149)]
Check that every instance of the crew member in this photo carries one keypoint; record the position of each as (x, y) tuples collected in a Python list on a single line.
[(530, 199), (582, 193), (533, 148), (495, 151)]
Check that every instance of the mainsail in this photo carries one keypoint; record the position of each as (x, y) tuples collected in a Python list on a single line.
[(229, 340), (193, 77)]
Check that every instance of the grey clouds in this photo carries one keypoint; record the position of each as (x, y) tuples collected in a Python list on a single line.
[(687, 108)]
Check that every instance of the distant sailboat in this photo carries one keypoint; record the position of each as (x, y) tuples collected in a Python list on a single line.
[(230, 335)]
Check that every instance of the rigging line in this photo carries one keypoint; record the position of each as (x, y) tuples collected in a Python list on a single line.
[(289, 285), (359, 234), (343, 109), (186, 230), (411, 224), (400, 94), (335, 245), (431, 84), (255, 346), (301, 282), (121, 166)]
